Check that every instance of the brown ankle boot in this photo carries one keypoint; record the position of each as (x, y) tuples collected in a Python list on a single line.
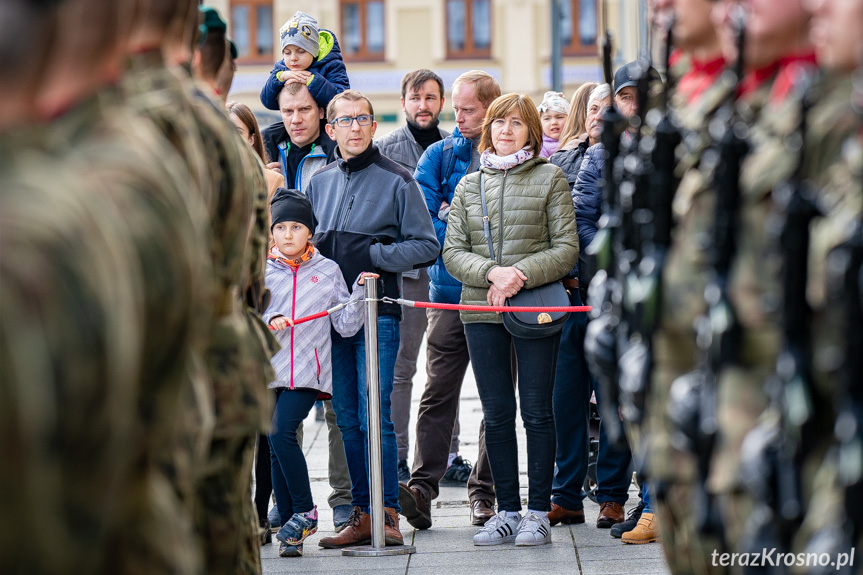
[(357, 531), (392, 534), (645, 531)]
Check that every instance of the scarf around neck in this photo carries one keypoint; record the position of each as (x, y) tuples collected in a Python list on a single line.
[(489, 160), (275, 254)]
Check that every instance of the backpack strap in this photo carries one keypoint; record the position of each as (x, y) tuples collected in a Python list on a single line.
[(448, 163)]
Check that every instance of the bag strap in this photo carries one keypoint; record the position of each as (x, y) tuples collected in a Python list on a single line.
[(485, 224)]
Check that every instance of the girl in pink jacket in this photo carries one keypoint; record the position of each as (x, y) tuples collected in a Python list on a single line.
[(301, 282)]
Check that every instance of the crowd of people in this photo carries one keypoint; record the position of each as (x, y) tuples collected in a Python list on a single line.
[(152, 280)]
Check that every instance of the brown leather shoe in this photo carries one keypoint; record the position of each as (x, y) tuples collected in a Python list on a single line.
[(563, 515), (357, 531), (392, 534), (416, 506), (481, 510), (610, 513), (645, 531)]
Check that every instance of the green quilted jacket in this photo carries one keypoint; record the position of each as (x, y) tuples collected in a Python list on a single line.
[(538, 235)]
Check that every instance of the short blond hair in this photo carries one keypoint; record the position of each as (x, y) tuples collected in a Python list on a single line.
[(501, 108), (350, 96), (486, 87)]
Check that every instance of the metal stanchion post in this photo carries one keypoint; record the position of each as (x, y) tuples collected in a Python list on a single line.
[(376, 478)]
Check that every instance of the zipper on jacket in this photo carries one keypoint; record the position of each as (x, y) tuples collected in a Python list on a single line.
[(298, 177), (342, 216), (347, 213), (500, 227), (284, 148), (317, 367), (293, 311)]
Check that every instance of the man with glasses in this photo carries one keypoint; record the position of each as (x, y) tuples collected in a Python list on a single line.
[(371, 217)]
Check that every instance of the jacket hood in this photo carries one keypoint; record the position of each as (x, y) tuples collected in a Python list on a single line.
[(328, 45)]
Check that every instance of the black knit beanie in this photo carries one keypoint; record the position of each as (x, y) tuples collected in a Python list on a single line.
[(292, 206)]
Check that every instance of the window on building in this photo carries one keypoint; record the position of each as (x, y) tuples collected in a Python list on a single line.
[(578, 27), (362, 36), (468, 28), (252, 30)]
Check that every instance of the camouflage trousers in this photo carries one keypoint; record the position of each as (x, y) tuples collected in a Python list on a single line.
[(673, 473), (225, 515)]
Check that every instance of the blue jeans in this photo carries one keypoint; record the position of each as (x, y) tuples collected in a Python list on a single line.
[(489, 345), (645, 497), (288, 464), (350, 403), (572, 386)]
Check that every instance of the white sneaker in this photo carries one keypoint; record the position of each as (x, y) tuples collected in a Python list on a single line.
[(497, 530), (533, 530)]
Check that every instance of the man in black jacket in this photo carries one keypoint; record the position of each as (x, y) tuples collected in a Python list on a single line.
[(297, 146)]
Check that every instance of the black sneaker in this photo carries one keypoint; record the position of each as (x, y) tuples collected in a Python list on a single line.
[(632, 518), (404, 471), (458, 473)]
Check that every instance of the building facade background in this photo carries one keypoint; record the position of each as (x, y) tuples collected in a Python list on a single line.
[(381, 40)]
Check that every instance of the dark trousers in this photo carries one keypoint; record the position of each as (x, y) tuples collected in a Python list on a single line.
[(411, 331), (489, 345), (447, 363), (290, 473), (263, 477), (613, 467), (572, 386)]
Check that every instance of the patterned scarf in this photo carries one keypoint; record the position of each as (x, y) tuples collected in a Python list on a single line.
[(489, 160), (275, 254)]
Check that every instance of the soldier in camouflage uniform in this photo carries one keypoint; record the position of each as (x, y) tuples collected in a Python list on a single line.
[(155, 94), (102, 319), (834, 163), (241, 346), (698, 95), (777, 49)]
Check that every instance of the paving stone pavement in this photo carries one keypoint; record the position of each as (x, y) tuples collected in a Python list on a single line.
[(447, 547)]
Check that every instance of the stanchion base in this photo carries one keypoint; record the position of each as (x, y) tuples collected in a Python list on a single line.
[(369, 551)]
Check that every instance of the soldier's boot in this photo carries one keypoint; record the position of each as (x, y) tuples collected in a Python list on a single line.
[(645, 531)]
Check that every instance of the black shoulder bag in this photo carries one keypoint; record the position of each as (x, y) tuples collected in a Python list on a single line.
[(529, 325)]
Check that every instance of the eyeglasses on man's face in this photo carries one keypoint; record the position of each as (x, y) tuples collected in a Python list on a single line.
[(347, 121)]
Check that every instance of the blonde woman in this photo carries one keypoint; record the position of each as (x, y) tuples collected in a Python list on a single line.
[(532, 226)]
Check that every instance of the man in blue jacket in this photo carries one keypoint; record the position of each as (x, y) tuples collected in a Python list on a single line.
[(371, 217), (439, 171)]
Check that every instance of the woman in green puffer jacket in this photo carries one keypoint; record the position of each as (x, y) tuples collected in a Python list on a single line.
[(532, 224)]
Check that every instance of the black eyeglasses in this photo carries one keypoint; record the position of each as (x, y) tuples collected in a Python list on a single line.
[(347, 121)]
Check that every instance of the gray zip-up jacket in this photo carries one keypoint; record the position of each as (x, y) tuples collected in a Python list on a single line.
[(401, 147), (372, 217)]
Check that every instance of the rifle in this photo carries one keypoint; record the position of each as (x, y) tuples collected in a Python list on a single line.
[(692, 402), (601, 337), (652, 214)]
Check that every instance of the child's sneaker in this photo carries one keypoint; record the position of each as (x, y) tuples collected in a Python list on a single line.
[(298, 527), (286, 550), (497, 530), (533, 530)]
